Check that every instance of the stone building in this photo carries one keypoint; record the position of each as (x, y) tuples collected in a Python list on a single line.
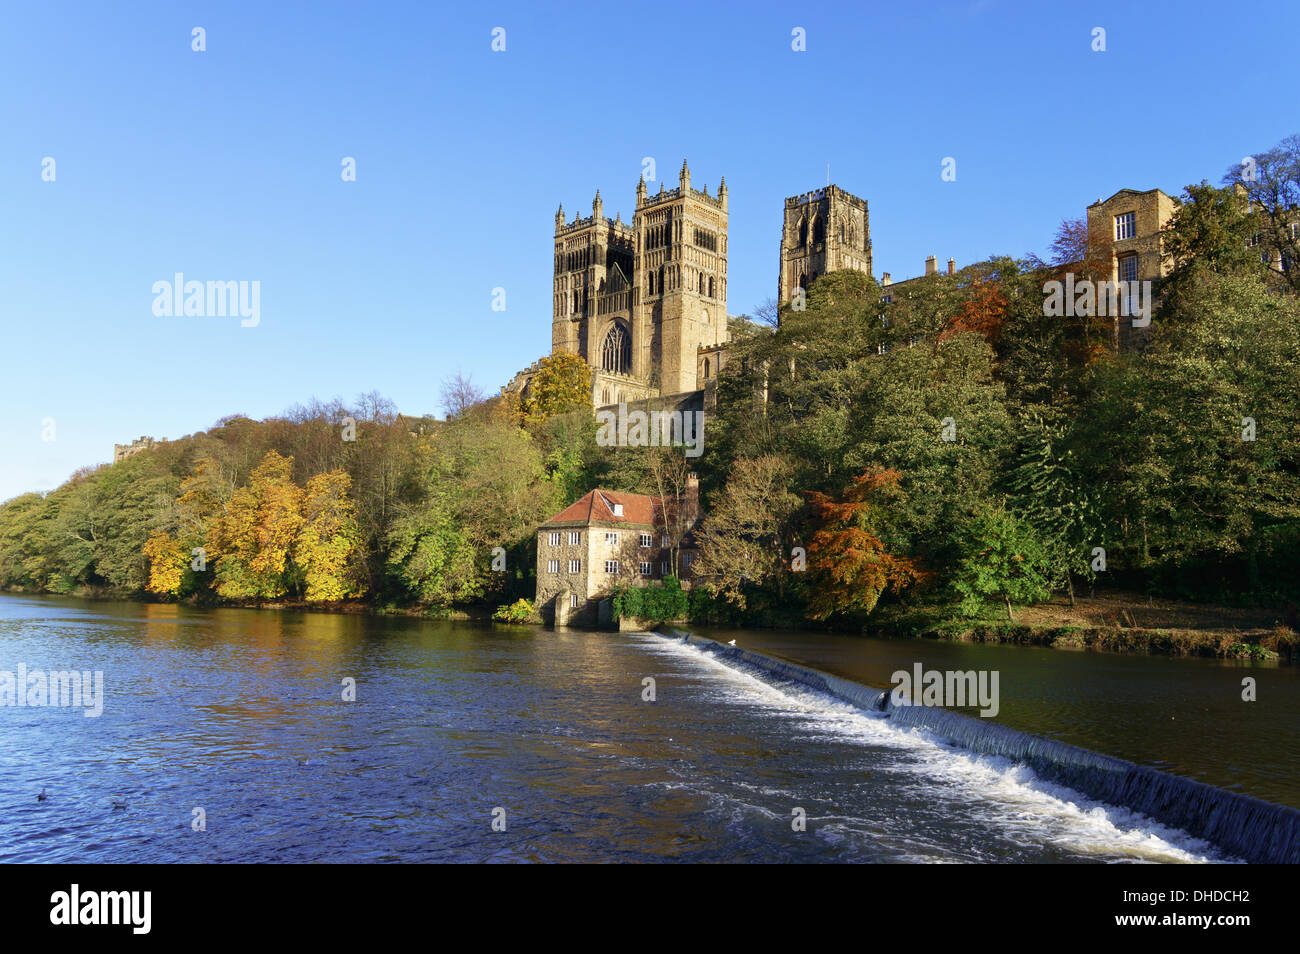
[(1129, 225), (606, 540), (824, 231), (645, 303), (122, 451)]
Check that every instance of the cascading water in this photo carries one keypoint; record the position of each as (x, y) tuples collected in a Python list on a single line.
[(1247, 827)]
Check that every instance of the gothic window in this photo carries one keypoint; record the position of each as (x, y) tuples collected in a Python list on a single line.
[(616, 355), (711, 295), (853, 234), (803, 230), (701, 283), (706, 367), (841, 231), (604, 396), (819, 230), (651, 278)]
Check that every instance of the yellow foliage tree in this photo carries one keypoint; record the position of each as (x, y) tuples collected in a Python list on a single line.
[(562, 384), (257, 533), (167, 562), (329, 544)]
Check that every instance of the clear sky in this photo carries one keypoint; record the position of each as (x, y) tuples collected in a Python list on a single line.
[(225, 165)]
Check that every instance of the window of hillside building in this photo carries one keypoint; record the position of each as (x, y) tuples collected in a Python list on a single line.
[(575, 537), (575, 566), (647, 540), (616, 353), (706, 367), (604, 396), (1126, 225), (819, 230), (1128, 268), (1254, 240), (611, 539), (663, 568), (611, 566), (687, 559), (552, 566), (711, 295), (663, 541), (573, 600), (555, 539), (645, 569)]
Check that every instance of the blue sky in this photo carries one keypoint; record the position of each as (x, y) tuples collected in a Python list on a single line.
[(225, 165)]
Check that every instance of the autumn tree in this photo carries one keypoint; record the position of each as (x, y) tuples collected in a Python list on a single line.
[(561, 384), (847, 562)]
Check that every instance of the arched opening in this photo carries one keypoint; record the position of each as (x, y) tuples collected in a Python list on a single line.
[(819, 230), (616, 353), (711, 295), (701, 283), (706, 367), (803, 230)]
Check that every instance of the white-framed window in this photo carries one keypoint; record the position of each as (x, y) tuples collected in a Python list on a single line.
[(687, 559), (575, 537), (663, 568), (1254, 240), (552, 566), (1128, 268), (573, 600), (1126, 225), (882, 348), (645, 569), (647, 540), (575, 566), (663, 541), (611, 539), (555, 539), (611, 566)]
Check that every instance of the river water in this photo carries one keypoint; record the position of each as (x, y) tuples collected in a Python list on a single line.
[(237, 718)]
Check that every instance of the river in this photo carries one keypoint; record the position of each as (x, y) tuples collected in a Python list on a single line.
[(225, 737)]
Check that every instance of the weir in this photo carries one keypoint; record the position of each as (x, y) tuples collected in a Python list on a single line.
[(1250, 828)]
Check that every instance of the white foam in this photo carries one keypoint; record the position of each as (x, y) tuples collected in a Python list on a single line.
[(996, 791)]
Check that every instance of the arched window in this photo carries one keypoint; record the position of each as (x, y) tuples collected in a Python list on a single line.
[(616, 354), (803, 230), (819, 230), (701, 283), (651, 278), (604, 396), (706, 367), (711, 295)]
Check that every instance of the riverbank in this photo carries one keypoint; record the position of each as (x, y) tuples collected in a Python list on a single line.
[(1117, 622)]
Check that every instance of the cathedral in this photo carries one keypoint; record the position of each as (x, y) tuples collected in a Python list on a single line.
[(645, 303)]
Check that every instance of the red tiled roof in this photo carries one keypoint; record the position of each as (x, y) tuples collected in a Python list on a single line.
[(597, 507)]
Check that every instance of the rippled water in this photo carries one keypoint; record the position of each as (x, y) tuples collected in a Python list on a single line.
[(239, 712)]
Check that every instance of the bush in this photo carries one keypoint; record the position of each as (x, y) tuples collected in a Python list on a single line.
[(520, 611), (666, 601)]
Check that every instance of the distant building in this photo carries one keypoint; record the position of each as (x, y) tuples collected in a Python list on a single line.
[(826, 230), (122, 451), (607, 540)]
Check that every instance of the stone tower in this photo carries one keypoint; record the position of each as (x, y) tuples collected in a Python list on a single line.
[(824, 231), (641, 302), (681, 277)]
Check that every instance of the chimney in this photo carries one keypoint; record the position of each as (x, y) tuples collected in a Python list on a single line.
[(952, 266), (884, 279), (691, 506), (931, 265)]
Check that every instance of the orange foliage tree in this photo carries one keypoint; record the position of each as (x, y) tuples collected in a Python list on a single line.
[(848, 566)]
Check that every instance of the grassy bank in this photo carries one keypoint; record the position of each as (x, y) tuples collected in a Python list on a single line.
[(1127, 623)]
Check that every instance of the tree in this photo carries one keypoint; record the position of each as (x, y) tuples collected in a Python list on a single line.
[(328, 547), (744, 539), (562, 384), (848, 564), (257, 533), (1271, 183), (459, 394), (1001, 557)]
